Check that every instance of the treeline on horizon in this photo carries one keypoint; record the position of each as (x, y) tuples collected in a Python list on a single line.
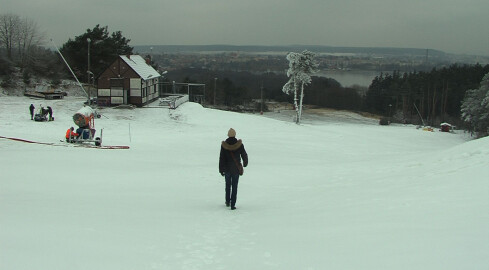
[(150, 49), (436, 95)]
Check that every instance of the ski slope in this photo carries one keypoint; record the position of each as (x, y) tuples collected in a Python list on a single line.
[(321, 195)]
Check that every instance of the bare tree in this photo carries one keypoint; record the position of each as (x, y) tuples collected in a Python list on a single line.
[(29, 38), (19, 36), (9, 25)]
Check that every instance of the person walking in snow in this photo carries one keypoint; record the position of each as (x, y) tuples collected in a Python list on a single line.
[(232, 151), (31, 109)]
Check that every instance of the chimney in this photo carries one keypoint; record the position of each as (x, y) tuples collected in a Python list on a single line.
[(148, 61)]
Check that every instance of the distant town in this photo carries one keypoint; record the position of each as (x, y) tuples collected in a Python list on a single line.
[(260, 59)]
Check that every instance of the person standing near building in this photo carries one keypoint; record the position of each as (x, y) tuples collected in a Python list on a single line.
[(31, 109), (232, 151)]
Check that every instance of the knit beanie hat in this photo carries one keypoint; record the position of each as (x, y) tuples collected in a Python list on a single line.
[(231, 133)]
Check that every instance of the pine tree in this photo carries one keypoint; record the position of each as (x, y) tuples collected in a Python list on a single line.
[(475, 108), (104, 48)]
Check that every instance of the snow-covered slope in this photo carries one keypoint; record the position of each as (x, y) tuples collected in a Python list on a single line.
[(322, 195)]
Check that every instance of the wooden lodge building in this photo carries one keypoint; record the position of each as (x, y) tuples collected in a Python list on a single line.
[(130, 80)]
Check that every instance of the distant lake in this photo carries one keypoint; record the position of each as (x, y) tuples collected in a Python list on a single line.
[(349, 78)]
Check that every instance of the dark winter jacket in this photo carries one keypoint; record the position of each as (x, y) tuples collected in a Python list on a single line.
[(226, 162)]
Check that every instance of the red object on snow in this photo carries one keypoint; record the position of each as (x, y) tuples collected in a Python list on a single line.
[(445, 127)]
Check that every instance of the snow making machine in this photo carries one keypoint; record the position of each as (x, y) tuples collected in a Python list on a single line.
[(85, 120)]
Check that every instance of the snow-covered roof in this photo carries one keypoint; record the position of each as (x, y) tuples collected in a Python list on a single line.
[(138, 64)]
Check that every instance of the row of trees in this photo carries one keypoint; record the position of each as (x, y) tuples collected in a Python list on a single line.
[(328, 93), (436, 95), (230, 88)]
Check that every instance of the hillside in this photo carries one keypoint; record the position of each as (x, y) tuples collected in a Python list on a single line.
[(327, 194)]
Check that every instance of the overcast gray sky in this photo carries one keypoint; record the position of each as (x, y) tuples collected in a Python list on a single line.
[(454, 26)]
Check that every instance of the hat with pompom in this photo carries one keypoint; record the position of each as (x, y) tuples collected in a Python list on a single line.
[(231, 133)]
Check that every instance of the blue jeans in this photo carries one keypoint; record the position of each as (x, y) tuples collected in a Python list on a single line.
[(231, 188)]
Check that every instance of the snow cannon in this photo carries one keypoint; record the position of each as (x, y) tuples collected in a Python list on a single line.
[(85, 117), (85, 120)]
